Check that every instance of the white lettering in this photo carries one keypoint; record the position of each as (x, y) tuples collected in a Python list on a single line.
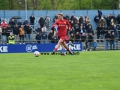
[(3, 48), (76, 47)]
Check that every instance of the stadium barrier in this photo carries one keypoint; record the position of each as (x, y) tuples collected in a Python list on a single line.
[(24, 48)]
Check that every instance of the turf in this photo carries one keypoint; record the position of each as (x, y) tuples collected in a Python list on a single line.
[(95, 70)]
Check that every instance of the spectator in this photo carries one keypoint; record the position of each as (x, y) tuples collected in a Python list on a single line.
[(44, 28), (94, 44), (21, 34), (108, 20), (11, 39), (25, 22), (112, 41), (99, 13), (8, 31), (19, 23), (90, 41), (75, 20), (96, 19), (32, 19), (71, 31), (0, 34), (81, 19), (44, 36), (102, 32), (72, 17), (81, 30), (102, 21), (72, 24), (118, 18), (47, 23), (50, 36), (87, 19), (107, 40), (41, 21), (4, 24), (72, 37), (98, 32), (12, 24), (0, 21), (77, 27), (4, 31), (115, 31), (83, 41), (39, 29), (28, 31), (77, 37), (47, 16), (114, 19), (38, 37), (67, 17), (16, 32), (90, 30), (55, 18), (85, 46)]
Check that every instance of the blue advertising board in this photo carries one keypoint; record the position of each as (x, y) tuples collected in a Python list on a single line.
[(22, 48)]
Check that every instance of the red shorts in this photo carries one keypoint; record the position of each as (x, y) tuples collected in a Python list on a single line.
[(64, 38)]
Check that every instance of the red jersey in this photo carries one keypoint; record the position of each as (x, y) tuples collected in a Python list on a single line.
[(62, 27)]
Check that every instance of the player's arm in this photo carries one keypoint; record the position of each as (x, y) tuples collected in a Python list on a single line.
[(55, 27), (68, 24)]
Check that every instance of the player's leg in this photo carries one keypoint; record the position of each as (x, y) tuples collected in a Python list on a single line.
[(67, 48), (57, 46), (63, 51), (70, 43)]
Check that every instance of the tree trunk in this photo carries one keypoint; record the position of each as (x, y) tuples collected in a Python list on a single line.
[(53, 4)]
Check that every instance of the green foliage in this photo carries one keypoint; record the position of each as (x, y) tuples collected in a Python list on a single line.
[(59, 4)]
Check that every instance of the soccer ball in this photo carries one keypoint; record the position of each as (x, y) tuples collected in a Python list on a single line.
[(36, 53)]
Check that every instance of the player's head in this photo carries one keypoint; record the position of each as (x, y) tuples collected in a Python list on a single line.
[(60, 16)]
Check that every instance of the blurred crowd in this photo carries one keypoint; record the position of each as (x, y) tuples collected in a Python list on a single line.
[(107, 29)]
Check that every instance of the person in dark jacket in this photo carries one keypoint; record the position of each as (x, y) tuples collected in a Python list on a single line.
[(112, 41), (4, 32), (12, 24), (16, 32), (38, 37), (99, 13), (19, 23), (50, 36), (96, 19), (98, 32), (90, 41), (28, 31), (44, 36), (32, 19), (118, 18), (41, 22), (83, 39), (77, 37), (107, 40)]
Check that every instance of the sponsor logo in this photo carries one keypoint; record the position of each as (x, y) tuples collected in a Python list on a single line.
[(30, 48), (3, 48)]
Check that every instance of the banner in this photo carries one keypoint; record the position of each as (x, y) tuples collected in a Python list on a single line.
[(22, 48)]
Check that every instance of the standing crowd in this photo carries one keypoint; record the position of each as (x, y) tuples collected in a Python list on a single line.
[(107, 28)]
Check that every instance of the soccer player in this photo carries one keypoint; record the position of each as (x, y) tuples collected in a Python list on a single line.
[(63, 51), (62, 25)]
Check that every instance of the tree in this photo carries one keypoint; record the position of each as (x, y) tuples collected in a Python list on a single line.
[(59, 4)]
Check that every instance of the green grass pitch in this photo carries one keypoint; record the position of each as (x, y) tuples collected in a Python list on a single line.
[(95, 70)]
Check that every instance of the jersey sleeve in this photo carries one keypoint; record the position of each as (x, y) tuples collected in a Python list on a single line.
[(55, 24), (68, 24)]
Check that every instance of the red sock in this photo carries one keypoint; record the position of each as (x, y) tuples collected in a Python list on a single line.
[(68, 50), (55, 49)]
